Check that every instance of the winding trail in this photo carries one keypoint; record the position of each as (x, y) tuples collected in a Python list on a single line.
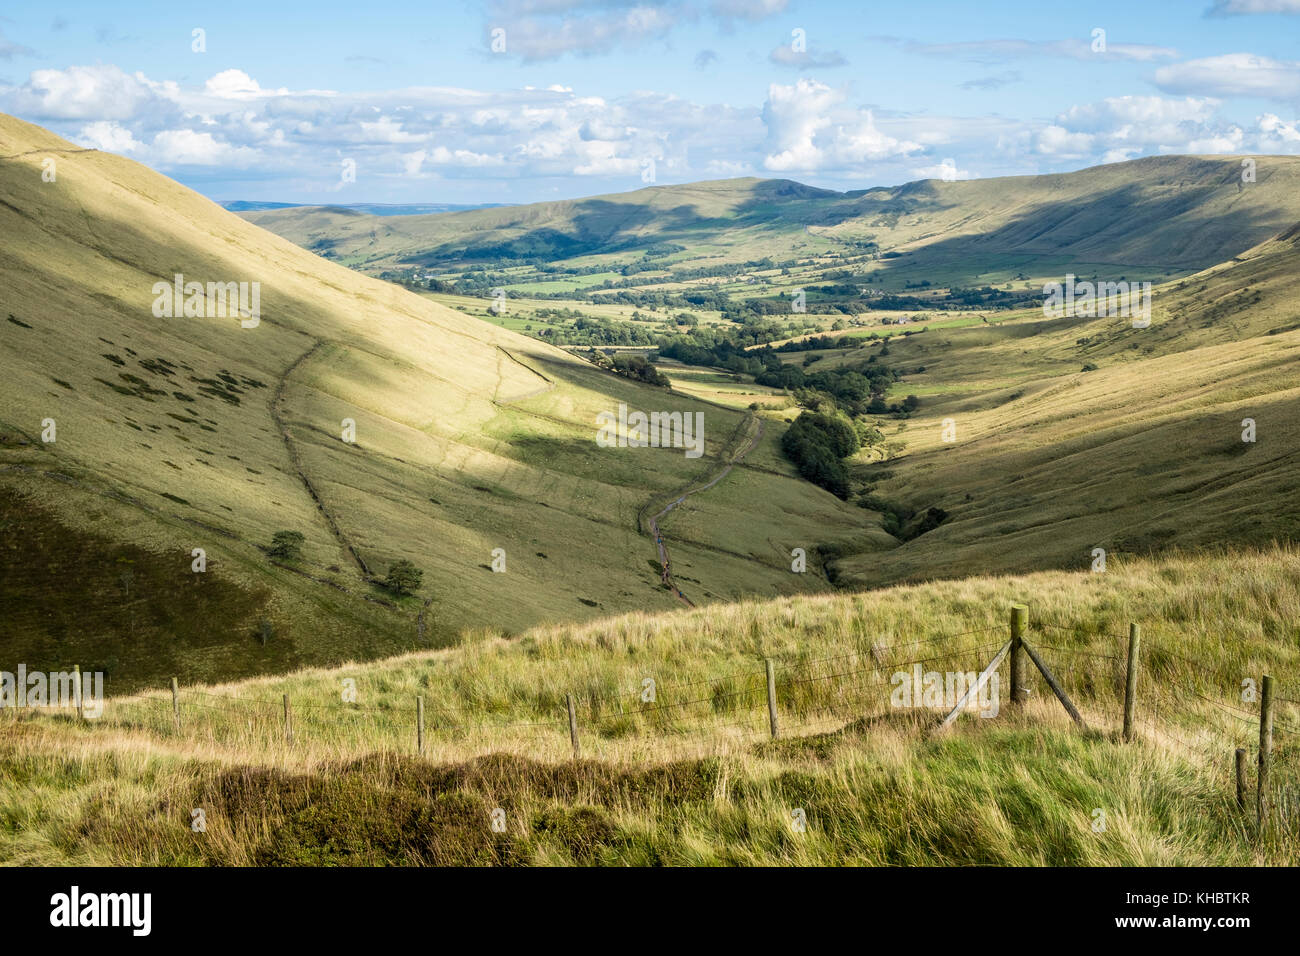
[(664, 561)]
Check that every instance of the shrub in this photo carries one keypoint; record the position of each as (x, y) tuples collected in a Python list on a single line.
[(403, 577), (287, 544)]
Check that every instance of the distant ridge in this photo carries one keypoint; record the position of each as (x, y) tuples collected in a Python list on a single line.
[(370, 208)]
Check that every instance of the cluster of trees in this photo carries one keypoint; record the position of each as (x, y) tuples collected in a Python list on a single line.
[(631, 365), (818, 443), (595, 330), (636, 367)]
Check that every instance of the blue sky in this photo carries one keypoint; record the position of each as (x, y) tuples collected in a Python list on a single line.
[(410, 102)]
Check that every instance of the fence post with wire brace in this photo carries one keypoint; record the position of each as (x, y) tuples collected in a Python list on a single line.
[(1019, 618), (1265, 752)]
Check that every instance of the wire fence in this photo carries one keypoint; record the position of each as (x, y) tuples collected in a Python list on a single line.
[(1180, 704)]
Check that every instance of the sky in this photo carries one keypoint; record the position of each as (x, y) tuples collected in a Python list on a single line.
[(527, 100)]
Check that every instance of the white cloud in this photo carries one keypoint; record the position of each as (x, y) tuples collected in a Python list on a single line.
[(807, 130), (238, 85), (1229, 8), (547, 31), (1122, 127), (108, 135), (101, 92), (785, 55), (185, 147), (747, 9), (1277, 136), (998, 51), (946, 170), (1233, 74)]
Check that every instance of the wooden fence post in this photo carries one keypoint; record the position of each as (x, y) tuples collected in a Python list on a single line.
[(771, 696), (288, 721), (76, 691), (1241, 778), (176, 705), (1131, 680), (573, 725), (419, 724), (1265, 752), (1056, 688), (1019, 619)]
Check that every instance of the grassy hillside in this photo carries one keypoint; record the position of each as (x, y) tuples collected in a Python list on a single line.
[(693, 778), (183, 433), (1073, 434)]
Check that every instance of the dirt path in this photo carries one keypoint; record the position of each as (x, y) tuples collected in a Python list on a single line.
[(333, 525), (664, 561)]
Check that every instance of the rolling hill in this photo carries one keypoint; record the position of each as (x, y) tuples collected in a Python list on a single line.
[(195, 432)]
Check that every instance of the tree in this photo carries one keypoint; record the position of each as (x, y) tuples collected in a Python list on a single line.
[(403, 577), (287, 544)]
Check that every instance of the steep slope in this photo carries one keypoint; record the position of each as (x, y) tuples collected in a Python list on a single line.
[(195, 432)]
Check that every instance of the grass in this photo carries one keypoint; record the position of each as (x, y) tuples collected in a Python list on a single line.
[(693, 779)]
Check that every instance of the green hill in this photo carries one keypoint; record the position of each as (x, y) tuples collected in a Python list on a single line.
[(194, 432)]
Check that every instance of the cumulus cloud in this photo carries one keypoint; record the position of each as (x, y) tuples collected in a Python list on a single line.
[(109, 136), (186, 147), (237, 85), (1122, 127), (809, 129), (946, 170), (83, 92), (1276, 135), (1233, 74)]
